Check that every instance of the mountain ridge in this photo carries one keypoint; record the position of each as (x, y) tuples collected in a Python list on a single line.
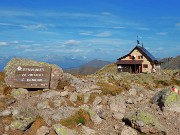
[(89, 68)]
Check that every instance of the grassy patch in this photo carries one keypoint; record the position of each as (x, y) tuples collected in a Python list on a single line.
[(92, 97), (108, 88), (176, 82), (2, 76), (80, 98), (162, 83), (80, 117), (63, 83)]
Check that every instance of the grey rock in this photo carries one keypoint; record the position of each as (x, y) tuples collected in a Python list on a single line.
[(140, 123), (57, 102), (88, 131), (73, 97), (43, 105), (49, 94), (95, 117), (86, 97), (43, 131), (6, 128), (23, 118), (116, 127), (128, 131), (117, 104), (118, 116), (5, 113), (64, 93), (15, 112), (63, 112), (61, 130), (19, 92), (129, 101), (10, 101), (132, 92), (144, 122), (166, 99), (97, 101), (102, 114), (93, 114), (57, 116)]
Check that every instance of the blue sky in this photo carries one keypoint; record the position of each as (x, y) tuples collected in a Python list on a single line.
[(88, 29)]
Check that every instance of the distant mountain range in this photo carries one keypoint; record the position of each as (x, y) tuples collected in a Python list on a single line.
[(63, 62), (171, 63), (88, 68), (81, 66)]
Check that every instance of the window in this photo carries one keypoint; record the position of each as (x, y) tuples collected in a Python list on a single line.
[(130, 57), (133, 57), (139, 57), (145, 65)]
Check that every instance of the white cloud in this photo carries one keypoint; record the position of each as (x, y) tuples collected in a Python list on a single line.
[(118, 27), (33, 50), (143, 28), (5, 24), (71, 42), (35, 27), (23, 46), (86, 33), (28, 41), (9, 12), (178, 24), (106, 13), (104, 34), (161, 33), (106, 41), (15, 42), (160, 49), (3, 43)]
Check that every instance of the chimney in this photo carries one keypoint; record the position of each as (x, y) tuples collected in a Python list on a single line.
[(142, 45)]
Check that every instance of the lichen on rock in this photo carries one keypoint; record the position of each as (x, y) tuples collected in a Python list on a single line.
[(144, 122)]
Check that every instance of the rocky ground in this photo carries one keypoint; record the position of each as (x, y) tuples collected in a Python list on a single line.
[(106, 103)]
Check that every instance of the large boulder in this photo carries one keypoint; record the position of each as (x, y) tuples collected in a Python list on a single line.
[(168, 99), (144, 122), (56, 73), (23, 118), (117, 107)]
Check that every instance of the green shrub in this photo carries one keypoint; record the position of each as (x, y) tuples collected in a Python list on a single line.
[(80, 121)]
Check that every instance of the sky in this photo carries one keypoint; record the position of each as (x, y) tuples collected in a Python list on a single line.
[(88, 29)]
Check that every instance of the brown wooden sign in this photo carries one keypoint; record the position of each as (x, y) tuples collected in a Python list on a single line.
[(32, 77)]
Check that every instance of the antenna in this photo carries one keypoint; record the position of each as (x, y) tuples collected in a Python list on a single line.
[(137, 41)]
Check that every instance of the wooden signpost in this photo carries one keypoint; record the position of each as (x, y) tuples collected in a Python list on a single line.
[(32, 77)]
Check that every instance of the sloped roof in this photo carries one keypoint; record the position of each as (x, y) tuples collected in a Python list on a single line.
[(144, 52)]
